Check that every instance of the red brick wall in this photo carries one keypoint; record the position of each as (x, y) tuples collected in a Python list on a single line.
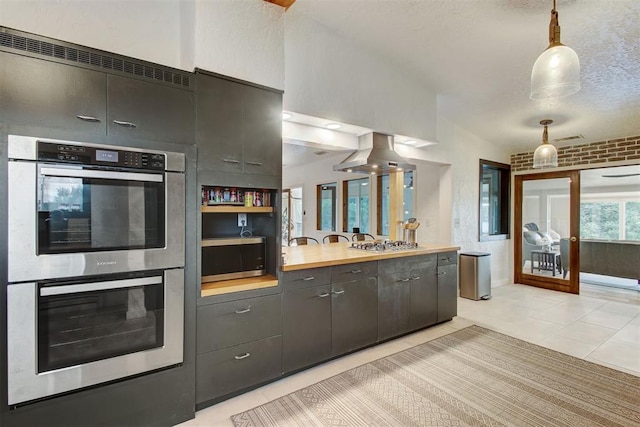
[(613, 150)]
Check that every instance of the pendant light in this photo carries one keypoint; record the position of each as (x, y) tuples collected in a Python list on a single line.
[(556, 72), (546, 155)]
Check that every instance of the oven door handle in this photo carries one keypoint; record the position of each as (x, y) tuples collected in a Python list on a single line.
[(99, 286), (86, 173)]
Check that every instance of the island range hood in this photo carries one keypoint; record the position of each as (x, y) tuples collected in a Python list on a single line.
[(374, 155)]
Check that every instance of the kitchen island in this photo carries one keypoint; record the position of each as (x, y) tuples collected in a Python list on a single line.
[(330, 300)]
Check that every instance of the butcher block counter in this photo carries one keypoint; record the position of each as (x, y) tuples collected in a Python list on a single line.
[(328, 254)]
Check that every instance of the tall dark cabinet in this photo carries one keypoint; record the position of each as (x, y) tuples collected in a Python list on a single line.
[(239, 141)]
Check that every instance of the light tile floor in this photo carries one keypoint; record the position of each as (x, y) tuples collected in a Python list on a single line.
[(601, 325)]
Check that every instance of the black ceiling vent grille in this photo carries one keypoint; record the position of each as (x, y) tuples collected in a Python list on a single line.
[(93, 59)]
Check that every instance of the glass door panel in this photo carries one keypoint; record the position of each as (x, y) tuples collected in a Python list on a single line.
[(546, 251)]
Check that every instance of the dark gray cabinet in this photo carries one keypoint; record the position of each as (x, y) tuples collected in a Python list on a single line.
[(394, 303), (47, 94), (424, 296), (238, 345), (447, 286), (225, 371), (139, 109), (354, 315), (238, 127), (306, 326)]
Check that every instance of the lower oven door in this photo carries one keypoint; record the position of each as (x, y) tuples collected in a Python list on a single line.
[(68, 335)]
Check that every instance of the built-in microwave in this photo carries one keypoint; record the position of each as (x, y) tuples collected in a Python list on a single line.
[(232, 258)]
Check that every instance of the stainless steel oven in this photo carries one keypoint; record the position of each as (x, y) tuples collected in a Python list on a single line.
[(78, 209), (95, 264), (70, 334)]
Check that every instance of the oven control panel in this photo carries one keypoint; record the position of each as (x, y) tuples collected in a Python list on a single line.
[(98, 156)]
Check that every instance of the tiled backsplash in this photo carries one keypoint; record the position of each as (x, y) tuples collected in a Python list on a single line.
[(613, 150)]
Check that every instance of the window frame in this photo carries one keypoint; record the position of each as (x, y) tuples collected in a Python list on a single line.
[(334, 199), (503, 195), (345, 205)]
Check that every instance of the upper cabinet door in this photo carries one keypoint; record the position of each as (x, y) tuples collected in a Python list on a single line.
[(262, 130), (47, 94), (151, 111), (219, 124)]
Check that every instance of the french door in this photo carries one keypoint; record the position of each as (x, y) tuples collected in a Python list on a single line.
[(547, 230)]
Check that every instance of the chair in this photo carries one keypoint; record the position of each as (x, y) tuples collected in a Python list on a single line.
[(334, 238), (564, 256), (529, 244), (299, 241), (359, 237), (532, 226)]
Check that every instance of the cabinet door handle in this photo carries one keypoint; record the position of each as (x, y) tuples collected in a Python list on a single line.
[(242, 356), (339, 292), (125, 124), (246, 310), (403, 280), (415, 278), (446, 259), (444, 273), (356, 271), (324, 295), (231, 161), (253, 163), (88, 118), (306, 279)]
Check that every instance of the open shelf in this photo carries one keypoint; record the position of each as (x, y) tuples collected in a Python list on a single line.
[(237, 209), (237, 285)]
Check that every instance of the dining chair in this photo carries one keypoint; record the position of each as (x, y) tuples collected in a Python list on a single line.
[(303, 240), (334, 238), (359, 237)]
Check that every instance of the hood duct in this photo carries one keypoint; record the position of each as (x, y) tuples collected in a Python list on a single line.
[(374, 155)]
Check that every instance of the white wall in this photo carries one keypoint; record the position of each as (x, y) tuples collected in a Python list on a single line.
[(242, 39), (328, 76)]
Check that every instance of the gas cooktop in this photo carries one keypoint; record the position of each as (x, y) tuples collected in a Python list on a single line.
[(386, 245)]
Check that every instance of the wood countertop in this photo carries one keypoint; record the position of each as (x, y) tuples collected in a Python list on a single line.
[(328, 254)]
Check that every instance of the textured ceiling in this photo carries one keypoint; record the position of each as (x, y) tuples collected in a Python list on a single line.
[(478, 55)]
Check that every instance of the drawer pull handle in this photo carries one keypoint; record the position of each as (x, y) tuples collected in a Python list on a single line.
[(242, 356), (404, 280), (447, 259), (88, 118), (339, 292), (415, 278), (231, 161), (253, 163), (125, 124), (443, 273), (246, 310), (306, 279), (356, 271), (324, 295)]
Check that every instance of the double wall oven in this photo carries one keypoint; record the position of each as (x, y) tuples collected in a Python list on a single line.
[(95, 264)]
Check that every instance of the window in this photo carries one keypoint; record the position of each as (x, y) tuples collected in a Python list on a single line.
[(383, 201), (493, 212), (607, 219), (355, 211), (326, 207)]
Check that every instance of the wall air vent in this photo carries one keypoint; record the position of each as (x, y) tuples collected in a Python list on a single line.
[(568, 138), (31, 45)]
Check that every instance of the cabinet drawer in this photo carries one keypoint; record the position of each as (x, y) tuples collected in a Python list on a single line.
[(230, 323), (308, 277), (404, 264), (348, 272), (446, 258), (224, 371)]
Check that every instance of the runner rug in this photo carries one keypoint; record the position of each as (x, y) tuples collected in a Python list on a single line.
[(472, 377)]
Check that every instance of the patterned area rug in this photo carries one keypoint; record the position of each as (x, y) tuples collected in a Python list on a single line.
[(472, 377)]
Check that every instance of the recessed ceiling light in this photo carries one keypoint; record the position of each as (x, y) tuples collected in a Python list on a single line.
[(286, 116), (333, 126)]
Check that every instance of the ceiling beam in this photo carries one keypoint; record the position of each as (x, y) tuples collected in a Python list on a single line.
[(284, 3)]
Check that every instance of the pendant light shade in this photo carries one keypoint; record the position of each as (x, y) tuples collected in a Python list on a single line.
[(546, 155), (556, 72)]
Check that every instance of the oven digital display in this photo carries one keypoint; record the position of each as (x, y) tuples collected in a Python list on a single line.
[(107, 156)]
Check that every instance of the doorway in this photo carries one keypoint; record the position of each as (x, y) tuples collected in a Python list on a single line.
[(292, 214), (546, 244)]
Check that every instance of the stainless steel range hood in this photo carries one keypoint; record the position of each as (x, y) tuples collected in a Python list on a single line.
[(374, 155)]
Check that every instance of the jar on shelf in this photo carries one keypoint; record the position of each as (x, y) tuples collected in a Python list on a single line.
[(257, 198), (248, 198)]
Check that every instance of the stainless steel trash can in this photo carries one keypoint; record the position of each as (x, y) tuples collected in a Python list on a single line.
[(475, 275)]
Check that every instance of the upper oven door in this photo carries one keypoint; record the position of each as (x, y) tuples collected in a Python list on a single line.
[(67, 221)]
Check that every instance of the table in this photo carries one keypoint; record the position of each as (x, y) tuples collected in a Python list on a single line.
[(547, 261)]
